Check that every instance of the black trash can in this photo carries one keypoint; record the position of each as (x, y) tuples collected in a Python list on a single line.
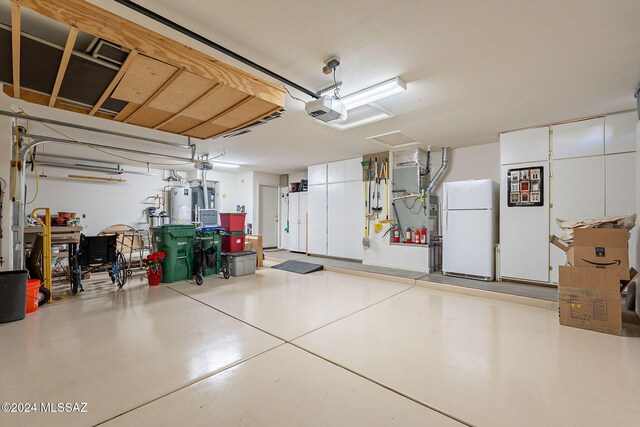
[(13, 295)]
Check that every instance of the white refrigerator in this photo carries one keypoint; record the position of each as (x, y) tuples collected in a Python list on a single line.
[(470, 228)]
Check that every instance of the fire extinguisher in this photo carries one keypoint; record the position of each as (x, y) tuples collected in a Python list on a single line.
[(416, 236), (408, 235), (396, 235), (423, 235)]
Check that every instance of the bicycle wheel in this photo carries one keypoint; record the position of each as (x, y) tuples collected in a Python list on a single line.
[(122, 273)]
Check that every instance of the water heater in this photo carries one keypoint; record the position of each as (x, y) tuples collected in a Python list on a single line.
[(180, 205)]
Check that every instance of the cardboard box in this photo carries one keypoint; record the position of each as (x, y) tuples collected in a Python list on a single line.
[(589, 298), (598, 247), (254, 243)]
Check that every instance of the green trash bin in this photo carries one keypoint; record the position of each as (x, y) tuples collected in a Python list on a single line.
[(208, 238), (176, 241)]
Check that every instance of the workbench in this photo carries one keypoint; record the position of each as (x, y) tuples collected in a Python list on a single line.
[(60, 235)]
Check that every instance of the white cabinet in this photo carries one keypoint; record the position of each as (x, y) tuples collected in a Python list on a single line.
[(593, 171), (317, 219), (335, 224), (335, 172), (317, 174), (530, 145), (336, 209), (345, 170), (524, 234), (620, 198), (345, 219), (620, 133), (298, 222), (353, 169), (353, 217), (578, 139), (577, 192)]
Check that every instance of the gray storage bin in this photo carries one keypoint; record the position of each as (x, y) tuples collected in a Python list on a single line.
[(241, 263)]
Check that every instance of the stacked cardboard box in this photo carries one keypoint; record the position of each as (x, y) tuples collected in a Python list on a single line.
[(590, 284)]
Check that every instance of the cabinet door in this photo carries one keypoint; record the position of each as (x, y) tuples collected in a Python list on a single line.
[(620, 132), (621, 192), (577, 192), (579, 139), (529, 145), (335, 221), (353, 169), (335, 171), (317, 219), (294, 215), (294, 237), (353, 220), (317, 174), (303, 198), (524, 233)]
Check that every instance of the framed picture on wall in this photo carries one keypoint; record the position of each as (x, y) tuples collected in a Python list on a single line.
[(525, 187)]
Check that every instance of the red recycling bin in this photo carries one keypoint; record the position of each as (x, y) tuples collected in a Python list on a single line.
[(232, 221), (233, 242)]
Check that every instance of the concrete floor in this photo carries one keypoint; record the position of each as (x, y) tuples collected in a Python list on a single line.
[(547, 293), (327, 348)]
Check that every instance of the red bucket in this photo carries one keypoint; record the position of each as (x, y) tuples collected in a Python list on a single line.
[(232, 221), (33, 288)]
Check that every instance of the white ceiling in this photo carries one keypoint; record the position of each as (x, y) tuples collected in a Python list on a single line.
[(473, 69)]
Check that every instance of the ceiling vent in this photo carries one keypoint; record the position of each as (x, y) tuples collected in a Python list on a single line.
[(394, 139), (107, 51)]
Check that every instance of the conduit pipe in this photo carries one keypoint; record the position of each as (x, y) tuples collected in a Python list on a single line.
[(440, 173)]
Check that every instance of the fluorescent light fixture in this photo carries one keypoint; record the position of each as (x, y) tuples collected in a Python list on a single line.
[(225, 165), (374, 93), (361, 122)]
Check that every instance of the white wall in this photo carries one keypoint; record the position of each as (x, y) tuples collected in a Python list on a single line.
[(477, 162), (103, 203)]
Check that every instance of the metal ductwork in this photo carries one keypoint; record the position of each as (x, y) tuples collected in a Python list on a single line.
[(440, 173)]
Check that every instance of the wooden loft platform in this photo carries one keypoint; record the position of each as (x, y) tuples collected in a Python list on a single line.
[(161, 84)]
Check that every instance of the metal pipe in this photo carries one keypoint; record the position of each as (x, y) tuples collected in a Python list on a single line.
[(40, 139), (92, 168), (187, 32), (109, 132), (440, 173)]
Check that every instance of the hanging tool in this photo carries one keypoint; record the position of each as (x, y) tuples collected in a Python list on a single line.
[(385, 175), (366, 169), (376, 191)]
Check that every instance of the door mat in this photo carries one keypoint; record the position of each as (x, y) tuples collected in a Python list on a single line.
[(299, 267)]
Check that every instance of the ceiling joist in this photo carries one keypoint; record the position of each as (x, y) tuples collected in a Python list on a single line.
[(116, 79), (64, 62), (109, 26), (161, 84), (219, 115), (161, 89), (188, 106), (15, 47)]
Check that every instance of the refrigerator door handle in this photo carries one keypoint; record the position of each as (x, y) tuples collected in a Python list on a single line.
[(446, 221)]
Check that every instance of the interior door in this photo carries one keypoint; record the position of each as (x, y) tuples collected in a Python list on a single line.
[(268, 215), (467, 246), (577, 192)]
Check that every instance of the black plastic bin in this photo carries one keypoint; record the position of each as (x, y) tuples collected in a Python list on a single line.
[(13, 295)]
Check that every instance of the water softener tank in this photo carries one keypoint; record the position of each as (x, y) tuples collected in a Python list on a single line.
[(180, 205)]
